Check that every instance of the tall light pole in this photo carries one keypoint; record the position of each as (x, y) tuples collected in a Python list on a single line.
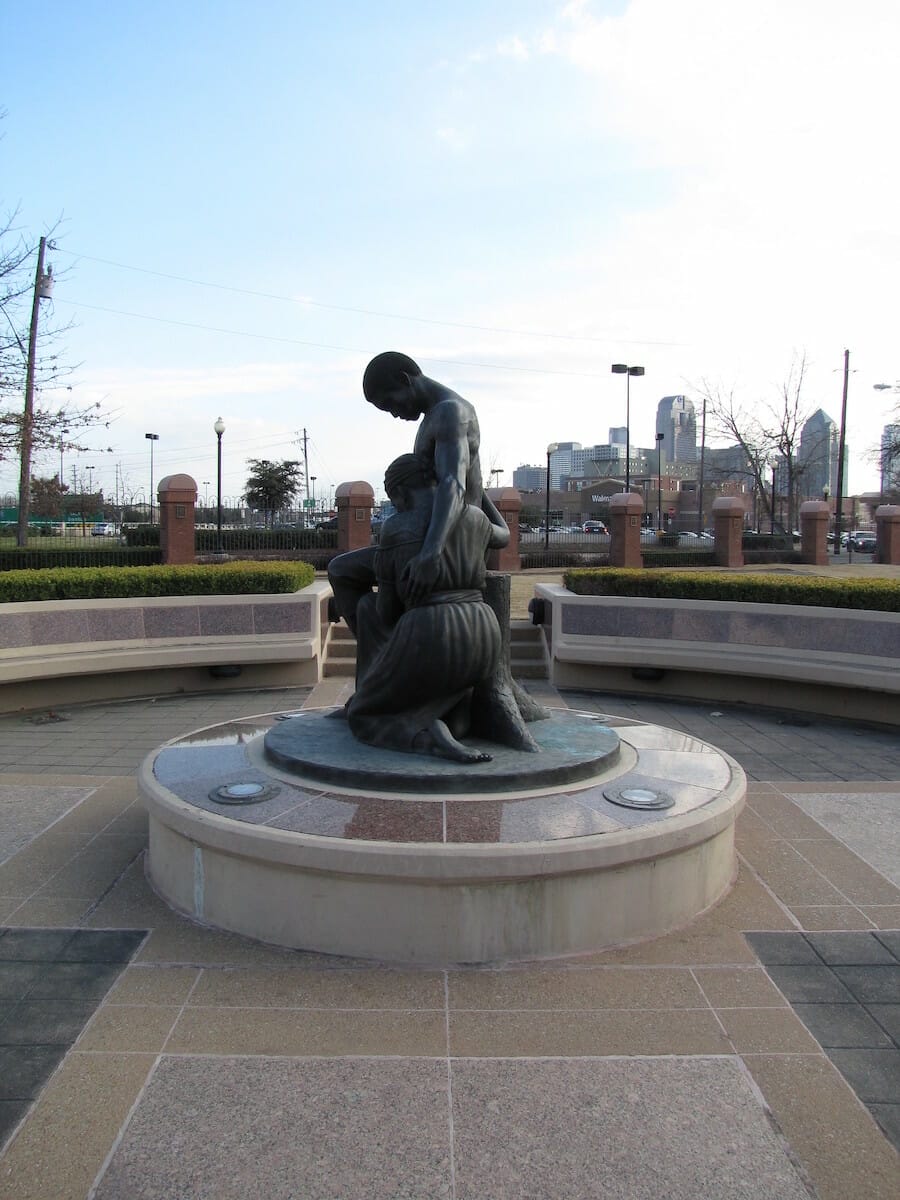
[(219, 427), (495, 471), (551, 449), (622, 369), (151, 438), (312, 480), (659, 442), (43, 290), (842, 441)]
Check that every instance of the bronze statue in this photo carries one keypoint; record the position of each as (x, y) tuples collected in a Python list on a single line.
[(429, 665)]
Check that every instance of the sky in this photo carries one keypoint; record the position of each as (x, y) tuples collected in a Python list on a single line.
[(252, 200)]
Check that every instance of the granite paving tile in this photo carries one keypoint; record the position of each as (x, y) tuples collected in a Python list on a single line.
[(839, 949), (766, 1031), (834, 1136), (842, 1025), (33, 945), (153, 985), (810, 984), (888, 1017), (890, 939), (888, 1117), (876, 984), (18, 978), (46, 1022), (73, 981), (102, 945), (24, 1069), (883, 916), (259, 1031), (296, 987), (129, 1027), (830, 917), (273, 1128), (59, 1150), (593, 988), (49, 912), (788, 949), (873, 1074), (538, 1034), (732, 987), (542, 1136)]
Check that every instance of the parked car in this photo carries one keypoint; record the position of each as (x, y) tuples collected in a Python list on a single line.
[(104, 529), (593, 527), (330, 524), (701, 540), (863, 542)]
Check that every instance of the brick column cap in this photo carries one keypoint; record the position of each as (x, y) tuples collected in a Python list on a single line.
[(357, 491), (177, 489), (626, 502), (887, 510), (814, 508), (507, 498), (727, 506)]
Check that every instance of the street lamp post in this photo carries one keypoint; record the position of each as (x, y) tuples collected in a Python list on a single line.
[(622, 369), (312, 480), (219, 427), (495, 471), (551, 449), (151, 438), (659, 442)]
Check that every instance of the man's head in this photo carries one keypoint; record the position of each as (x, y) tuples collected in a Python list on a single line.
[(389, 384), (408, 473)]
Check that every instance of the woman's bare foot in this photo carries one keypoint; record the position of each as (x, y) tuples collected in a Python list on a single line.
[(439, 741)]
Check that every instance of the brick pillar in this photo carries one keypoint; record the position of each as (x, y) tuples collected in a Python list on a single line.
[(509, 505), (177, 495), (625, 512), (354, 502), (887, 533), (814, 532), (728, 522)]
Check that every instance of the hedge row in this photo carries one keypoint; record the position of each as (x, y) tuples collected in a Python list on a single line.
[(234, 541), (89, 583), (30, 557), (879, 595)]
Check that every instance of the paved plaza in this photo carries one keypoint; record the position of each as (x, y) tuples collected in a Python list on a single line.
[(751, 1054)]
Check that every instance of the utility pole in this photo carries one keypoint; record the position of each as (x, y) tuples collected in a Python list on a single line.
[(839, 503), (702, 462), (43, 288), (306, 477)]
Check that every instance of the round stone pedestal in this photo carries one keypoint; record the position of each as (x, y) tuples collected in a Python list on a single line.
[(614, 832)]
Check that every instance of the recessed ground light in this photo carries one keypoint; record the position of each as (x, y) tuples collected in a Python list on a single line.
[(639, 797), (243, 793)]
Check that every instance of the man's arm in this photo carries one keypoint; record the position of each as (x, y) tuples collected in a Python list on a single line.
[(500, 534), (451, 464)]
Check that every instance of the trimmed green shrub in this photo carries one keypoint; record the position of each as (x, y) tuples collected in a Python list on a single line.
[(878, 595), (89, 555), (88, 583)]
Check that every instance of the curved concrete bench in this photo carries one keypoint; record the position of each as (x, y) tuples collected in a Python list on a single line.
[(835, 661), (65, 651)]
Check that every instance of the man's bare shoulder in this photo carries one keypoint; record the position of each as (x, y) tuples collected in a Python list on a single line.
[(450, 416)]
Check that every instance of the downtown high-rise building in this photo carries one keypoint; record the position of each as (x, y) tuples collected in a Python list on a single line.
[(817, 458), (677, 422)]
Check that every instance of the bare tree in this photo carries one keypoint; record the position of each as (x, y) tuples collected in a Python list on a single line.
[(768, 435), (31, 368)]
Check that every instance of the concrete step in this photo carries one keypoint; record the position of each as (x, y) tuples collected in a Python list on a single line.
[(526, 652)]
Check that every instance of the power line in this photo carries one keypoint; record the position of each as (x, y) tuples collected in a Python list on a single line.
[(266, 337), (368, 312)]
